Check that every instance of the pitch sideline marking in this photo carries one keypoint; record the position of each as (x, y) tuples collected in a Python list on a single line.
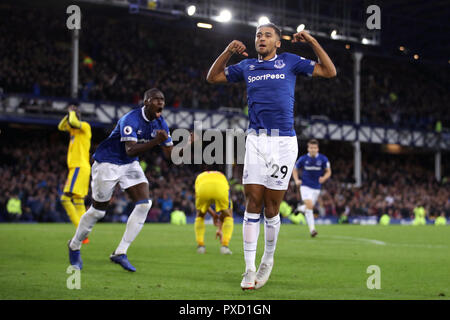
[(379, 242)]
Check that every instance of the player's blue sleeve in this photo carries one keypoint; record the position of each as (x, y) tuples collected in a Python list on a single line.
[(128, 129), (302, 66), (299, 164), (235, 72), (168, 141), (326, 163)]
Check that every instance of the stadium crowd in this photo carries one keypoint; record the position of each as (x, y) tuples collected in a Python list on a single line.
[(121, 58), (34, 167)]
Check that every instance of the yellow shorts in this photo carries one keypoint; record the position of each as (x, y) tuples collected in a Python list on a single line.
[(208, 192), (78, 181)]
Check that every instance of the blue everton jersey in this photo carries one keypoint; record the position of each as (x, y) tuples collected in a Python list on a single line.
[(133, 126), (270, 90), (312, 169)]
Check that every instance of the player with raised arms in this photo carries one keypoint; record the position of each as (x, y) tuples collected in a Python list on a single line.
[(116, 162), (77, 183), (271, 144), (316, 170)]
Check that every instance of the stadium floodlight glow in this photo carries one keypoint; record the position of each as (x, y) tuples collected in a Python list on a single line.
[(334, 34), (416, 56), (191, 10), (365, 41), (347, 46), (301, 27), (224, 16), (286, 37), (263, 20), (204, 25), (401, 48)]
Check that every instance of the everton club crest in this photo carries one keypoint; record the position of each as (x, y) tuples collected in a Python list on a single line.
[(279, 64)]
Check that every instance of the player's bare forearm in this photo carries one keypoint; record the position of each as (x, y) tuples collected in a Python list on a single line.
[(326, 176), (325, 67), (216, 73), (328, 70), (134, 149), (295, 176), (212, 213), (167, 150)]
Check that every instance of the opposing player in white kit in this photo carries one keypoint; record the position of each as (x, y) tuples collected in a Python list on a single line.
[(116, 162), (316, 169), (271, 145)]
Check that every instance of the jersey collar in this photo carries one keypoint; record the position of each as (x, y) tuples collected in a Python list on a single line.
[(143, 114), (269, 59)]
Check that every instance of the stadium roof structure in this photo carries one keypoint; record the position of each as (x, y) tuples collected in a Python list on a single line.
[(408, 27)]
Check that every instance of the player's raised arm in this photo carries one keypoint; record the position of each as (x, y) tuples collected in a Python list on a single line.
[(63, 125), (325, 67), (134, 149), (216, 73)]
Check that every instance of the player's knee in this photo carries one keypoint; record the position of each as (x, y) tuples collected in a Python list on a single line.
[(270, 212), (200, 214), (254, 204), (271, 208), (309, 204)]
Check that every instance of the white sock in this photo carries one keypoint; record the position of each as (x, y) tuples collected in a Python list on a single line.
[(135, 223), (271, 230), (250, 231), (301, 208), (87, 221), (310, 219)]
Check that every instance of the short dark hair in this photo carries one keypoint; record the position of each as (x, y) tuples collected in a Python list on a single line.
[(273, 26), (150, 92), (313, 141)]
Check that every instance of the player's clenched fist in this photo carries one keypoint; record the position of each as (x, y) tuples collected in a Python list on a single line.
[(302, 36), (161, 135), (237, 47)]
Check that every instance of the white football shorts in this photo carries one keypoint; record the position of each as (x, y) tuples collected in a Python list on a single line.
[(308, 193), (106, 175), (269, 160)]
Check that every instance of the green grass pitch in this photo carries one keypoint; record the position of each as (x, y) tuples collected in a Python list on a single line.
[(414, 263)]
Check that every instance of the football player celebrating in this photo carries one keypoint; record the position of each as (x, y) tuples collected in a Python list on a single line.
[(116, 162), (271, 144)]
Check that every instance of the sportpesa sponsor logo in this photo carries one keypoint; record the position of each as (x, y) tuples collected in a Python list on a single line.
[(266, 76), (312, 168)]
